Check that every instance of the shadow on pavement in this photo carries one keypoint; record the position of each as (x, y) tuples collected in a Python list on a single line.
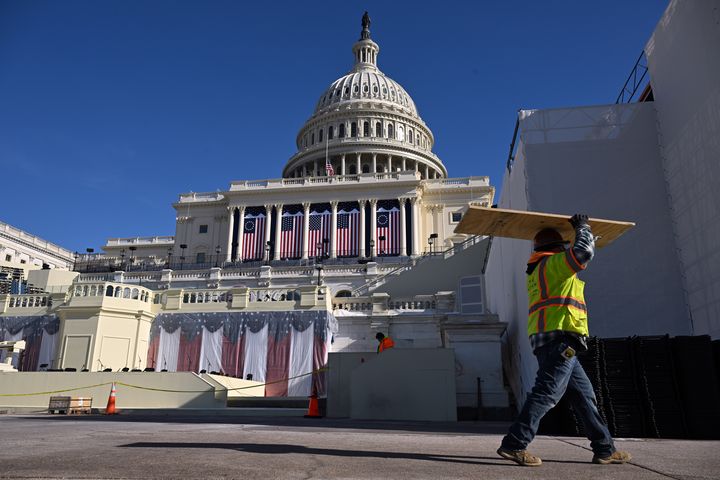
[(275, 449)]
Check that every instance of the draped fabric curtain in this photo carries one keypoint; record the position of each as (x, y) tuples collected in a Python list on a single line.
[(301, 362), (256, 350), (31, 355), (153, 346), (211, 350), (273, 347), (168, 349), (48, 347)]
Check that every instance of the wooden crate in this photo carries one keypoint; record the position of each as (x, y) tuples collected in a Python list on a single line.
[(80, 405), (59, 405)]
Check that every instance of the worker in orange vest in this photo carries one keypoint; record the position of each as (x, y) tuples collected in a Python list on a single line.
[(384, 342)]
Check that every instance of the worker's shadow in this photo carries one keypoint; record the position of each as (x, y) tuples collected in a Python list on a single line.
[(285, 448)]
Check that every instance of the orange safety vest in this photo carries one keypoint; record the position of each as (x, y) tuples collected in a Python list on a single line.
[(386, 343)]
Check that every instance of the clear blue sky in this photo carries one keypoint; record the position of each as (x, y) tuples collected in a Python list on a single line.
[(110, 109)]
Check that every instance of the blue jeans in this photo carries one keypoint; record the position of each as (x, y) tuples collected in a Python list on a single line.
[(557, 374)]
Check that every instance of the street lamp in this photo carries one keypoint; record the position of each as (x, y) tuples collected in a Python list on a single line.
[(372, 248), (170, 250), (75, 255), (431, 242), (217, 256), (182, 255), (382, 244), (268, 247), (122, 259), (132, 255), (318, 260)]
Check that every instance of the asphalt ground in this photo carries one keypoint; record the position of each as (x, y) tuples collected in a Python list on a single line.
[(135, 446)]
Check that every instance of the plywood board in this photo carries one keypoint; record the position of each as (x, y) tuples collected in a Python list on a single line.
[(524, 225)]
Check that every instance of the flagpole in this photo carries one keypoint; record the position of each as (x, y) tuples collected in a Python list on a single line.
[(327, 142)]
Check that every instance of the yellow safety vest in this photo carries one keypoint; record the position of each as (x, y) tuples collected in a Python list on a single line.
[(556, 295)]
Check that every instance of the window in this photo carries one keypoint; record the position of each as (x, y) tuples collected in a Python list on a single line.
[(366, 168), (353, 129), (366, 129), (200, 257), (455, 217), (410, 136), (312, 139), (320, 135), (8, 258), (341, 131), (356, 88), (203, 228), (353, 169), (378, 129), (23, 261), (331, 133), (347, 90), (391, 131)]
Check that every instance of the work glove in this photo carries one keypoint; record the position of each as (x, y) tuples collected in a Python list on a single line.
[(578, 220)]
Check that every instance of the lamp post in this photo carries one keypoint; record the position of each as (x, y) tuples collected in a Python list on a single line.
[(169, 256), (75, 256), (318, 260), (182, 254), (122, 259), (88, 251), (382, 244), (217, 256), (431, 242), (132, 256), (372, 249), (268, 246)]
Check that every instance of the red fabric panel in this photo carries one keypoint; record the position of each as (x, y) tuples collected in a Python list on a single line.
[(189, 354), (232, 356), (320, 359), (152, 351), (30, 356), (278, 366)]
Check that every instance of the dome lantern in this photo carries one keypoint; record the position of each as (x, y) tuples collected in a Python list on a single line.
[(365, 51)]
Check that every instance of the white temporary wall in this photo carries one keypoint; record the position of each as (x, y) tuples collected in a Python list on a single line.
[(684, 68)]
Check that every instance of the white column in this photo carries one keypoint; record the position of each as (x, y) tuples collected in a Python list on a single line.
[(390, 163), (373, 225), (268, 223), (415, 227), (427, 170), (231, 226), (342, 164), (361, 240), (374, 162), (278, 226), (403, 226), (416, 165), (315, 169), (359, 165), (333, 230), (306, 229), (404, 164), (241, 227)]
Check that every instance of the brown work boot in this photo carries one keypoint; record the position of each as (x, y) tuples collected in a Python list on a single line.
[(521, 457), (616, 457)]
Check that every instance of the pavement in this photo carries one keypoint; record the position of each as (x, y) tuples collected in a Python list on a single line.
[(166, 446)]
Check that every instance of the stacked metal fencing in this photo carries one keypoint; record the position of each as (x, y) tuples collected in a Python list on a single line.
[(657, 387)]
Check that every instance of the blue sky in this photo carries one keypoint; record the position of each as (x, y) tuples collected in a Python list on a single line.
[(110, 109)]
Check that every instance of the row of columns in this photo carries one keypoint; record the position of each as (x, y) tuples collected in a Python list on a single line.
[(414, 219), (402, 163)]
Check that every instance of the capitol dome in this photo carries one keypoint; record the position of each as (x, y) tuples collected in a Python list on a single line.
[(364, 123)]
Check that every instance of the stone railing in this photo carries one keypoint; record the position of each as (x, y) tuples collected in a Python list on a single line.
[(22, 236), (122, 291), (201, 197), (207, 296), (335, 179), (157, 240), (352, 304), (381, 304), (29, 301), (461, 182)]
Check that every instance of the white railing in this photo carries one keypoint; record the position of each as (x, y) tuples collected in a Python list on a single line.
[(201, 197), (115, 290), (273, 295), (21, 235), (164, 240), (352, 304), (462, 181), (304, 181), (207, 296), (29, 301), (411, 304)]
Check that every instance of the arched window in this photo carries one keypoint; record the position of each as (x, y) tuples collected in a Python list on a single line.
[(366, 129), (356, 89), (331, 133), (343, 294), (366, 168), (320, 135), (118, 292), (391, 131), (135, 293), (341, 131), (353, 129), (410, 136), (378, 129), (312, 139), (347, 90), (93, 290), (353, 170), (126, 293), (109, 291)]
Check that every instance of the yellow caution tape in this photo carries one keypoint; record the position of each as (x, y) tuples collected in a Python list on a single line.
[(158, 389)]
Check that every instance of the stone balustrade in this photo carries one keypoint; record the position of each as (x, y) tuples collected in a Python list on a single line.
[(28, 301)]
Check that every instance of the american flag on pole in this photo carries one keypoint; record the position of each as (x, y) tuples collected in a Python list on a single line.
[(388, 226), (348, 230), (329, 170), (291, 230), (319, 230), (253, 235)]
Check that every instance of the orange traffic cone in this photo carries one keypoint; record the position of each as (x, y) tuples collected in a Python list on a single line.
[(110, 409), (313, 408)]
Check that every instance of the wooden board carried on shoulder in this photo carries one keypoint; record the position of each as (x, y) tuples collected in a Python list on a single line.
[(499, 222)]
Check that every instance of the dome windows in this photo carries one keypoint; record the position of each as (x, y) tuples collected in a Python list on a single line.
[(312, 139), (353, 129), (356, 88), (341, 131), (410, 136), (330, 132), (320, 136), (366, 129), (378, 129), (366, 88), (391, 131), (347, 90)]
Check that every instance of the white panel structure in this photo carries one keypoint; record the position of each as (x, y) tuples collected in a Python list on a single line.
[(301, 361), (168, 349), (211, 350), (256, 350)]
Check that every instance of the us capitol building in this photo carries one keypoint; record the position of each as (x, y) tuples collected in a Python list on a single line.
[(359, 225)]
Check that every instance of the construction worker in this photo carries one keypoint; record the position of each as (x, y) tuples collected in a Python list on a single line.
[(558, 328), (384, 342)]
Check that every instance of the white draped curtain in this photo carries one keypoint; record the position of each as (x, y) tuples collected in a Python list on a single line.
[(168, 349), (211, 350), (301, 362), (48, 347), (256, 349)]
